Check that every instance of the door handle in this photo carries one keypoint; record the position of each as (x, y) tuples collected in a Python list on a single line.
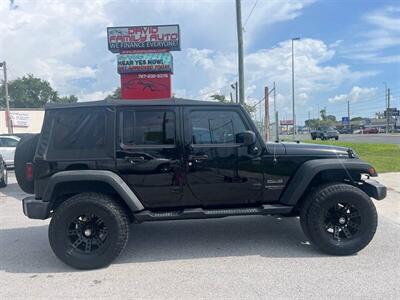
[(198, 157), (135, 159)]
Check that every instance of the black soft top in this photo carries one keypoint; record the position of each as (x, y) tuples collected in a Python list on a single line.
[(119, 102)]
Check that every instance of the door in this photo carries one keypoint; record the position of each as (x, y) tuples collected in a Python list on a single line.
[(149, 155), (219, 171), (7, 149)]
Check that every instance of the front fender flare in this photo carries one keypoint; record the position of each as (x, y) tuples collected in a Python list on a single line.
[(308, 170), (114, 180)]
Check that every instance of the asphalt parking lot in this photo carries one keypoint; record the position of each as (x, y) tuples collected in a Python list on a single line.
[(237, 257)]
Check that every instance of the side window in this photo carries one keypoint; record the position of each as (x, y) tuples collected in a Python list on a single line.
[(215, 127), (148, 128), (79, 130), (6, 142)]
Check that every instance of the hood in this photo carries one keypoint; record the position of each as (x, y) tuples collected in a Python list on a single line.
[(316, 149)]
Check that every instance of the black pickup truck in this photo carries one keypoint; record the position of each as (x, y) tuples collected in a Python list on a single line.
[(97, 167)]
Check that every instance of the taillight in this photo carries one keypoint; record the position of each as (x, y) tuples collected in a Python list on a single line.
[(29, 171)]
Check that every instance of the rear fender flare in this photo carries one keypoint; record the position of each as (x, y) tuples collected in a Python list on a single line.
[(114, 180), (308, 170)]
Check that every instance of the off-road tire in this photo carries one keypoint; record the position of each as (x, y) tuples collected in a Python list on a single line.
[(4, 178), (316, 208), (24, 153), (108, 210), (306, 205)]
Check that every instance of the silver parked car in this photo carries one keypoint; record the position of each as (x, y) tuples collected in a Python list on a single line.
[(8, 143)]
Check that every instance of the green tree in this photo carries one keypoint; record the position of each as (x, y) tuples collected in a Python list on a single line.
[(115, 95), (313, 123), (67, 99), (323, 114), (32, 92)]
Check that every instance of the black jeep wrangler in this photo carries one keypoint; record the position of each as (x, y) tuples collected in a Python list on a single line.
[(97, 167)]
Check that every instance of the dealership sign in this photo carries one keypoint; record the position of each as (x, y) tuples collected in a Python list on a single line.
[(127, 38), (146, 86), (286, 122), (145, 63)]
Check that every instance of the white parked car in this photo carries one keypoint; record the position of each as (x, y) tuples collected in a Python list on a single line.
[(8, 143)]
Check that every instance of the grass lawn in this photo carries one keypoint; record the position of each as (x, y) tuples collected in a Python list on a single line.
[(384, 157)]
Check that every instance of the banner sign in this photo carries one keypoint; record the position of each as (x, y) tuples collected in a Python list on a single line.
[(392, 111), (18, 119), (286, 122), (143, 38), (145, 62), (146, 86)]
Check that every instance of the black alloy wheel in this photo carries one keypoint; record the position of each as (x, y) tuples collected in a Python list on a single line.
[(89, 230), (338, 218), (342, 221), (87, 233)]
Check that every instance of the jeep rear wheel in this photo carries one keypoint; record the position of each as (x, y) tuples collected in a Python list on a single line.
[(24, 153), (88, 231), (339, 219)]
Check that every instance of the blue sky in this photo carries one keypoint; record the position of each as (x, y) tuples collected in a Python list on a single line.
[(347, 48)]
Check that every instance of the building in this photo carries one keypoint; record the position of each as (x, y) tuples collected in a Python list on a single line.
[(24, 120)]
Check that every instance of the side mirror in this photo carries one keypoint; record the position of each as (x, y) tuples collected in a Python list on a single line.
[(246, 138)]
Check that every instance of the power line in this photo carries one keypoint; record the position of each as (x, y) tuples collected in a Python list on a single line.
[(251, 12)]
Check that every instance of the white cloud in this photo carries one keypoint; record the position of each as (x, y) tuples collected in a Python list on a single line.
[(383, 35), (65, 42), (314, 73), (98, 95), (52, 40), (356, 94)]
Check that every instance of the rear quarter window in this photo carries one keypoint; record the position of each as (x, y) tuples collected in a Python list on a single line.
[(78, 133)]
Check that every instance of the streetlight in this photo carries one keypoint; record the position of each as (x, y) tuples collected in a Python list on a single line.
[(294, 116)]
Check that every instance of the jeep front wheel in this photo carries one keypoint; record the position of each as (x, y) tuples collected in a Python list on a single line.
[(88, 231), (339, 219)]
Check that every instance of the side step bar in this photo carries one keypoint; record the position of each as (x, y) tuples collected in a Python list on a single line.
[(200, 213)]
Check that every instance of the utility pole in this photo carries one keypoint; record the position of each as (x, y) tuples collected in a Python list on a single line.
[(348, 112), (388, 110), (8, 118), (240, 50), (276, 116), (231, 97), (293, 106), (237, 92), (386, 105), (266, 114)]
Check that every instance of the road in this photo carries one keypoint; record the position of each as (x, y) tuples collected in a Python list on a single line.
[(237, 257), (356, 138)]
